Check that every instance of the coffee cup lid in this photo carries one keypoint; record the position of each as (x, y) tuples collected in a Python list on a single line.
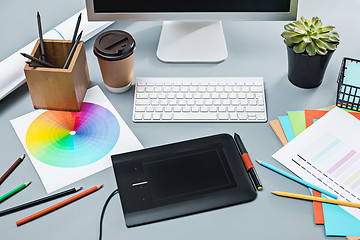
[(114, 45)]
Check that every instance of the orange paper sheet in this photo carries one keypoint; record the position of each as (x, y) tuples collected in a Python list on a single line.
[(311, 114)]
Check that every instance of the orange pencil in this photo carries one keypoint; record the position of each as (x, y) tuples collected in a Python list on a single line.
[(58, 205)]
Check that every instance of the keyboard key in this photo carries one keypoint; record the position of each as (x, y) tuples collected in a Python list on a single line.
[(168, 109), (138, 116), (200, 116), (260, 116), (150, 109), (195, 109), (204, 109), (140, 109), (233, 116), (254, 109), (242, 116), (223, 116), (142, 102), (167, 116), (256, 89), (147, 116), (156, 116)]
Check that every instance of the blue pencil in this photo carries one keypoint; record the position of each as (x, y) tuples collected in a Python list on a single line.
[(296, 179)]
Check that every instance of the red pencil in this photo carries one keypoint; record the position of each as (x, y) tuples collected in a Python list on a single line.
[(58, 205), (12, 168)]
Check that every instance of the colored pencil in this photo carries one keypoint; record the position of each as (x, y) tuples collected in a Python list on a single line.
[(39, 201), (14, 191), (58, 205), (45, 64), (42, 51), (72, 50), (316, 199), (12, 168), (296, 179), (76, 31)]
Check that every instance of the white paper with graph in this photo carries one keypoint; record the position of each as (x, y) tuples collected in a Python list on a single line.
[(327, 154)]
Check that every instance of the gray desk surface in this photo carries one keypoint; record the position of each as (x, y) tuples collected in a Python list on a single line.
[(255, 49)]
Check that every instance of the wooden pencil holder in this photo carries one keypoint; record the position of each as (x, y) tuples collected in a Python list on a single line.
[(58, 88)]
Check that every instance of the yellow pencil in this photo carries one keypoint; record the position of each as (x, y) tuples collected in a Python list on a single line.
[(317, 199)]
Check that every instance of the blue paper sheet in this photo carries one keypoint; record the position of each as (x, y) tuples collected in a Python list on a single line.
[(287, 127), (339, 222)]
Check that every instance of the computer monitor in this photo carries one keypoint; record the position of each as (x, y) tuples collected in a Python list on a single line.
[(192, 31)]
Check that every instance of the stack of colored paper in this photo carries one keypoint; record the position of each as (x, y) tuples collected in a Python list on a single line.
[(337, 221)]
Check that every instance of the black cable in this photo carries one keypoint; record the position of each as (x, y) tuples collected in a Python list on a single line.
[(103, 210)]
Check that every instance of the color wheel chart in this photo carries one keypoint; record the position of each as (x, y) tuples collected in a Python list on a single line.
[(73, 139), (334, 164)]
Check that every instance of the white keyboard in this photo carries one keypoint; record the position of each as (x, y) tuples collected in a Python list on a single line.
[(210, 99)]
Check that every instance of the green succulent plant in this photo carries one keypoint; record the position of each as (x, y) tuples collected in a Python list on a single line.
[(310, 36)]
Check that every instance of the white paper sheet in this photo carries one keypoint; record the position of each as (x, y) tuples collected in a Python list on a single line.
[(54, 177), (327, 155), (12, 68)]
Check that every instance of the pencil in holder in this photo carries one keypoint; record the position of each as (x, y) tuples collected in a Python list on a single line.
[(58, 88), (348, 92)]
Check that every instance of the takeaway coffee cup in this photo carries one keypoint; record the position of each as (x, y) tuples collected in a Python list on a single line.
[(115, 54)]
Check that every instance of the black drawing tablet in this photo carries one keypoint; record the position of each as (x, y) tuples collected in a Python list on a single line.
[(180, 179)]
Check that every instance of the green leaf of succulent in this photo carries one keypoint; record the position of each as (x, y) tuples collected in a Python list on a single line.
[(298, 30), (334, 39), (333, 33), (300, 47), (321, 51), (317, 23), (330, 46), (315, 36), (307, 39), (320, 44), (290, 26), (307, 23), (288, 34), (289, 43), (310, 49), (326, 29), (300, 25), (296, 39)]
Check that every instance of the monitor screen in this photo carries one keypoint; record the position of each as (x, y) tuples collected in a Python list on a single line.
[(142, 6), (184, 42), (104, 10)]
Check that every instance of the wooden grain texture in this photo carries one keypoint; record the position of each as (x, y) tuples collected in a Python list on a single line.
[(57, 88)]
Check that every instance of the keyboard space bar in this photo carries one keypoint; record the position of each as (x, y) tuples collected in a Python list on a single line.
[(195, 116)]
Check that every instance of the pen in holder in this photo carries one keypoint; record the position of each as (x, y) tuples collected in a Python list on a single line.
[(348, 92), (58, 88)]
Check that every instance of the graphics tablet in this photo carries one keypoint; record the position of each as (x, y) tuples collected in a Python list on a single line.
[(182, 178)]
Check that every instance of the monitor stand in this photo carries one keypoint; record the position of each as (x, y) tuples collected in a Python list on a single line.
[(192, 41)]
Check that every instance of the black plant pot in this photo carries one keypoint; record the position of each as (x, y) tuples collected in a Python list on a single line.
[(307, 71)]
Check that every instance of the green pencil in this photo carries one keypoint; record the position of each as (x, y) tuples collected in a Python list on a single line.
[(12, 192)]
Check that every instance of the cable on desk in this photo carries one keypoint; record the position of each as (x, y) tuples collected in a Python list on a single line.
[(103, 210)]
